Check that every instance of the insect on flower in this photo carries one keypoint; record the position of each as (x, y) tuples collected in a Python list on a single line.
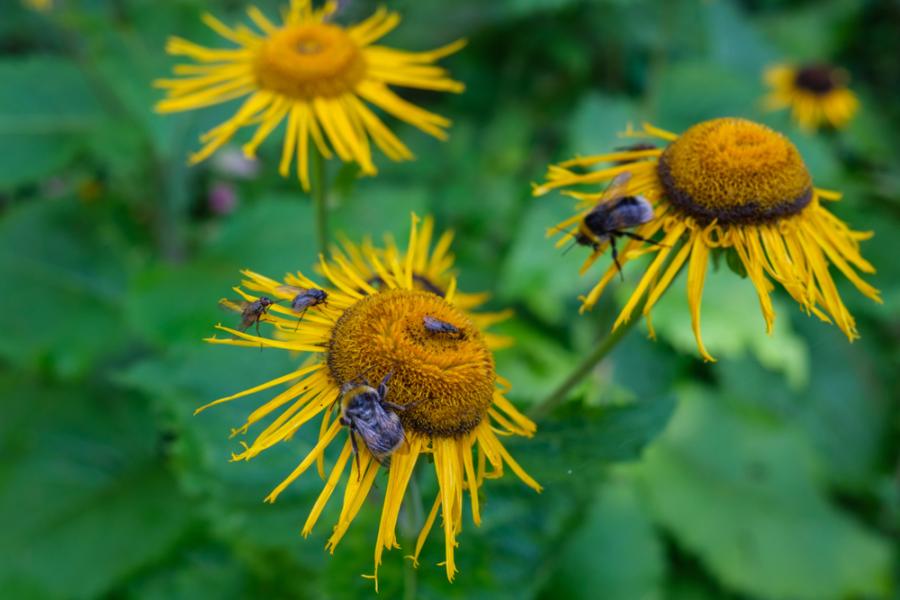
[(614, 213), (251, 312), (423, 413), (304, 298), (367, 413), (435, 325)]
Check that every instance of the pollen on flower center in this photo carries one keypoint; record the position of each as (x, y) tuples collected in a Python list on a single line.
[(445, 380), (309, 60), (734, 171)]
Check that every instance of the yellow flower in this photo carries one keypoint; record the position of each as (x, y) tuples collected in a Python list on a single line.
[(372, 325), (314, 75), (38, 5), (432, 272), (817, 94), (726, 185)]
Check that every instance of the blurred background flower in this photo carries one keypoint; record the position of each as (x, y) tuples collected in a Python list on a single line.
[(315, 76), (817, 94)]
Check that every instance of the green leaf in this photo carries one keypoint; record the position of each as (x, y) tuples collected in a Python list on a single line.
[(85, 498), (535, 362), (43, 128), (695, 90), (734, 42), (66, 270), (744, 494), (190, 375), (614, 549), (732, 324), (596, 123), (579, 442), (537, 274), (843, 410)]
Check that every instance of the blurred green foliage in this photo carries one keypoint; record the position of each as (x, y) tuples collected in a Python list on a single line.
[(770, 474)]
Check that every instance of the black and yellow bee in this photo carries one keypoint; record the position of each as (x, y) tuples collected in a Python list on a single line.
[(614, 213), (366, 411)]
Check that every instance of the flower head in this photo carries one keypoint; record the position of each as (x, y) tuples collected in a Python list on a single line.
[(38, 5), (443, 387), (725, 185), (314, 75), (816, 93)]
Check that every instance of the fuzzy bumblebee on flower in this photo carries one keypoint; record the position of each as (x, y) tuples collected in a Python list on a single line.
[(314, 76), (724, 185), (400, 369)]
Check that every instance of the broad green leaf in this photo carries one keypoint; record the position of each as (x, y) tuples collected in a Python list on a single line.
[(198, 573), (732, 324), (696, 90), (578, 442), (843, 410), (85, 495), (66, 269), (597, 122), (537, 274), (734, 42), (614, 549), (745, 495), (43, 128)]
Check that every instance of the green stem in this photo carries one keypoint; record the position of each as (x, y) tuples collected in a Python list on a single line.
[(546, 406), (319, 186), (412, 518)]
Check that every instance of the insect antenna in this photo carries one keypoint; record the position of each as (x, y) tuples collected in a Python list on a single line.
[(570, 246)]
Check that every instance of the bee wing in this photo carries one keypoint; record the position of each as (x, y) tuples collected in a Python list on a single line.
[(617, 187), (291, 290), (630, 211), (382, 434)]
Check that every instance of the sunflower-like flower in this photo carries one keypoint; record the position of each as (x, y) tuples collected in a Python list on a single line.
[(432, 272), (724, 185), (816, 93), (451, 402), (314, 75), (38, 5)]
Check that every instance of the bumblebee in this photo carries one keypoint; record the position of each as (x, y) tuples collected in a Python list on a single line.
[(614, 213), (366, 412), (304, 299)]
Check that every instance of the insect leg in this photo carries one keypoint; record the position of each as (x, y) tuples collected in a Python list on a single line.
[(382, 387), (641, 238), (258, 334), (355, 450), (301, 318), (615, 254)]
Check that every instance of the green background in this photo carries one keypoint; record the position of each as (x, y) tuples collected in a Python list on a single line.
[(771, 474)]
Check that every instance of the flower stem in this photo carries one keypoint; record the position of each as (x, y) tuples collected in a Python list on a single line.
[(413, 515), (546, 406), (319, 185)]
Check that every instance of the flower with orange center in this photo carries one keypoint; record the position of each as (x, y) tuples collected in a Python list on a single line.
[(817, 94), (452, 403), (313, 75), (724, 185)]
